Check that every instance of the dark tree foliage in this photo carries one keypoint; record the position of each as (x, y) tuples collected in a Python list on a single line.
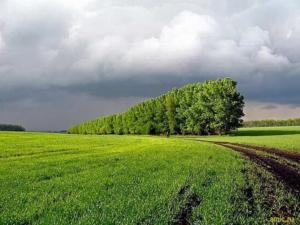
[(272, 123), (211, 107), (11, 127)]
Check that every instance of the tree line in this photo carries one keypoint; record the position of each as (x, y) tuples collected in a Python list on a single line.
[(211, 107), (272, 123), (11, 127)]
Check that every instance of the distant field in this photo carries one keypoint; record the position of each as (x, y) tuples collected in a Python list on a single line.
[(74, 179), (280, 137)]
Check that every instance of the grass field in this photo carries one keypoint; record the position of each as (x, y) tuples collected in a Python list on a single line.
[(74, 179), (279, 137)]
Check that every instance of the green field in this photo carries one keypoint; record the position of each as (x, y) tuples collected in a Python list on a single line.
[(287, 138), (76, 179)]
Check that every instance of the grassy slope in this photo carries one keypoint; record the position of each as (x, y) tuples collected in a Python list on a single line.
[(73, 179), (279, 137)]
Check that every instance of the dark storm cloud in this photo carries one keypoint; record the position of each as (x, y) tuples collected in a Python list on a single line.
[(130, 87), (114, 49), (59, 110)]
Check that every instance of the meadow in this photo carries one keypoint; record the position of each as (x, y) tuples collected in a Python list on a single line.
[(89, 179), (286, 138)]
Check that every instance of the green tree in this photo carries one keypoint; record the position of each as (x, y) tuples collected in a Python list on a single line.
[(170, 107), (211, 107)]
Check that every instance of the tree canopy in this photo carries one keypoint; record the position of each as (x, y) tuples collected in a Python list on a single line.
[(11, 127), (272, 123), (211, 107)]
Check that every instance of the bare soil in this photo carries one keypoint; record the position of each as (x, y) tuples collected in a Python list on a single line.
[(294, 156), (289, 175)]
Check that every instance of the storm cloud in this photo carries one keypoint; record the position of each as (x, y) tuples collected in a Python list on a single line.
[(66, 61)]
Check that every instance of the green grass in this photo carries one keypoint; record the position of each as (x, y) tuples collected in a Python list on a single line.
[(280, 137), (74, 179)]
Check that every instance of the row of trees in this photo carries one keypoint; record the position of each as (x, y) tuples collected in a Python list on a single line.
[(272, 123), (212, 107), (11, 127)]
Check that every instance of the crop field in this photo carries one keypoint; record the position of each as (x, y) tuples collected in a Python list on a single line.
[(286, 138), (90, 179)]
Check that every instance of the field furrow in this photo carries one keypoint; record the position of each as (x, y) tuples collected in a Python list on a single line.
[(284, 172)]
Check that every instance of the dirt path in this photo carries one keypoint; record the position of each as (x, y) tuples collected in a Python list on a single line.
[(294, 156), (287, 174)]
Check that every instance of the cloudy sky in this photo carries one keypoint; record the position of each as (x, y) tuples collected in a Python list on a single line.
[(62, 62)]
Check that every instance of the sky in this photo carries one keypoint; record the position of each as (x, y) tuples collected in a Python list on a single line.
[(62, 62)]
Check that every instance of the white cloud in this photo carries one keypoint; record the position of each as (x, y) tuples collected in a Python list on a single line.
[(74, 42), (178, 42), (80, 45), (266, 60), (34, 24)]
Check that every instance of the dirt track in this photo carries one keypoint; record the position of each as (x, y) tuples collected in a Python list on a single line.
[(294, 156), (286, 173), (289, 175)]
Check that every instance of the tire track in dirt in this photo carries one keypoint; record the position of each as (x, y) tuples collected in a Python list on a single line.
[(290, 176), (193, 200), (294, 156)]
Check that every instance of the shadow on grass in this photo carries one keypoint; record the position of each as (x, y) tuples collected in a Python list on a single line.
[(264, 132)]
